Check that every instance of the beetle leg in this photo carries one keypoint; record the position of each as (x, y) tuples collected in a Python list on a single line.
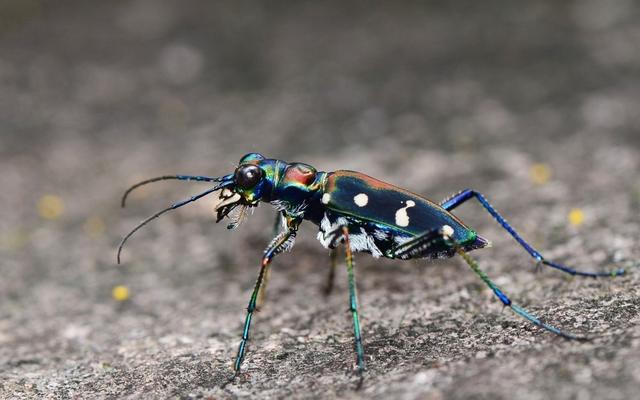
[(277, 245), (467, 194), (420, 243), (262, 295), (332, 272), (353, 305), (278, 223), (502, 296)]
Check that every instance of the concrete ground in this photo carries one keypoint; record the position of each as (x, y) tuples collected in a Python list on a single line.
[(535, 105)]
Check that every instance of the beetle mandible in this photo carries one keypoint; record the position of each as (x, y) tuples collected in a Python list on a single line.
[(363, 213)]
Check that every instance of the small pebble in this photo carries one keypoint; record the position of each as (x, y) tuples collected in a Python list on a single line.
[(540, 174), (94, 227), (50, 207)]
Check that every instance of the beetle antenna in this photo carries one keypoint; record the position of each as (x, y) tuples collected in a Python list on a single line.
[(172, 207), (167, 177)]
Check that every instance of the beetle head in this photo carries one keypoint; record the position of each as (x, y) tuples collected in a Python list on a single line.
[(251, 181), (239, 191)]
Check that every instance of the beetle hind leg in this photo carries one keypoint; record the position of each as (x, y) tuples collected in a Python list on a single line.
[(473, 264), (418, 246), (467, 194)]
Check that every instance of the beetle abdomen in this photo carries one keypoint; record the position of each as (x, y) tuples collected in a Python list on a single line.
[(404, 214), (382, 217), (380, 240)]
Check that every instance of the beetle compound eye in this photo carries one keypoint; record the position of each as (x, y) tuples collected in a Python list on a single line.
[(248, 176)]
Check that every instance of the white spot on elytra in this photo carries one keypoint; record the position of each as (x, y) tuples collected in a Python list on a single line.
[(402, 218), (361, 200), (447, 231), (326, 198)]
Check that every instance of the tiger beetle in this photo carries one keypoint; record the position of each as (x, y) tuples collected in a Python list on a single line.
[(361, 212)]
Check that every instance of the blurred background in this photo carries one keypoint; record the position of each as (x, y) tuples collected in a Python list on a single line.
[(535, 104)]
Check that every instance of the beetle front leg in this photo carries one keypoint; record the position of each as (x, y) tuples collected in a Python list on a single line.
[(280, 222), (281, 243)]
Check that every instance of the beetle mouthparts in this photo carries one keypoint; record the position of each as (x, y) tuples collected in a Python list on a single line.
[(229, 201)]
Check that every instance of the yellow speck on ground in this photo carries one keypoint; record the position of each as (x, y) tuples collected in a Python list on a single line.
[(120, 293), (14, 240), (576, 217), (94, 226), (540, 173), (50, 207)]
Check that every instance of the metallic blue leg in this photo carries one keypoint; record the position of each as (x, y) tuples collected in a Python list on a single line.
[(503, 297), (467, 194), (274, 248), (353, 306)]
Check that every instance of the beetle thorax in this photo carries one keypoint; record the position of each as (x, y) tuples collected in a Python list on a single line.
[(295, 188)]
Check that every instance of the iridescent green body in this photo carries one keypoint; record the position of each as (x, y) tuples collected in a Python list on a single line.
[(363, 213), (379, 216)]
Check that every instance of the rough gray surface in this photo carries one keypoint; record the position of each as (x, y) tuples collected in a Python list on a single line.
[(96, 95)]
